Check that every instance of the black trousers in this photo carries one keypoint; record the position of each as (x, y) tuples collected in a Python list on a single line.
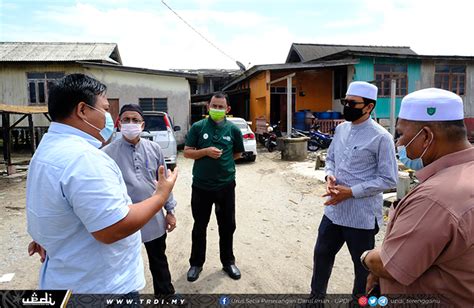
[(201, 205), (159, 269), (331, 237)]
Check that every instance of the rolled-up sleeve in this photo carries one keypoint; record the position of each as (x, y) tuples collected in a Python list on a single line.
[(95, 189)]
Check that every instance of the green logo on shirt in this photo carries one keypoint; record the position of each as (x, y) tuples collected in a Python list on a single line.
[(431, 110)]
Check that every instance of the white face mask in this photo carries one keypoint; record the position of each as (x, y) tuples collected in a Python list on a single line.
[(130, 130)]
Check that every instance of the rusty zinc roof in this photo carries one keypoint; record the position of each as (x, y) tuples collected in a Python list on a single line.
[(59, 52)]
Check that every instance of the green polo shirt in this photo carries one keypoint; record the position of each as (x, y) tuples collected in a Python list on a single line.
[(210, 173)]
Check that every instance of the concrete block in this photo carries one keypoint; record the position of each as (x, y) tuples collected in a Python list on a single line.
[(295, 149)]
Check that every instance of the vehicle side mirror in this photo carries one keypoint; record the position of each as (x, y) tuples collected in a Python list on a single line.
[(177, 128)]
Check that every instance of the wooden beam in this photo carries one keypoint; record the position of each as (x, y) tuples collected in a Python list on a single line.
[(7, 150), (32, 134), (23, 109), (16, 123), (289, 105), (283, 78)]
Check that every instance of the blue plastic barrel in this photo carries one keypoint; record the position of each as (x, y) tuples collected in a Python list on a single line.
[(325, 115), (300, 115), (299, 121), (299, 125)]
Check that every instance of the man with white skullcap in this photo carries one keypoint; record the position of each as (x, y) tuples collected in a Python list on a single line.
[(360, 165), (428, 248)]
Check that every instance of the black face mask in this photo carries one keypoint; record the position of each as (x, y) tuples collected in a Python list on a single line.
[(352, 114)]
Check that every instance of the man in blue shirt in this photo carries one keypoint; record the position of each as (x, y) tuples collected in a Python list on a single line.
[(77, 205), (139, 160), (360, 165)]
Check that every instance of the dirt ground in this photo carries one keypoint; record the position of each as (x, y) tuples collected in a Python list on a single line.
[(278, 209)]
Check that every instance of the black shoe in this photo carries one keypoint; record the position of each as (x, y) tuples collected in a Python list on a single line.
[(232, 271), (193, 273)]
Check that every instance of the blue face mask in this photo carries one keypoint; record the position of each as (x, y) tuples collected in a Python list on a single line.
[(108, 129), (414, 164)]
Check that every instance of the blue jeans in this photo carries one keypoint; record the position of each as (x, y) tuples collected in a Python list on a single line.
[(331, 237)]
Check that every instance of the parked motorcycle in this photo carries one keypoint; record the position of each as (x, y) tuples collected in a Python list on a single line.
[(273, 132), (317, 141)]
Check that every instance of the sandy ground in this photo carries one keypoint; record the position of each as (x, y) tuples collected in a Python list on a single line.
[(278, 209)]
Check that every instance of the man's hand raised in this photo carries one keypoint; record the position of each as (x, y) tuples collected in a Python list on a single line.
[(166, 182)]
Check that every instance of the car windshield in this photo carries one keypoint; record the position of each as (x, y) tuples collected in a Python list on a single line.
[(155, 123)]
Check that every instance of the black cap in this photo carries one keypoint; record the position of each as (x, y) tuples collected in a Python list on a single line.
[(131, 107)]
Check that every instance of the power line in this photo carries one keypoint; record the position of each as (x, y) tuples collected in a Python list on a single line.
[(202, 36)]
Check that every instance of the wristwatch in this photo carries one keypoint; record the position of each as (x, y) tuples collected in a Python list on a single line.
[(362, 259), (171, 212)]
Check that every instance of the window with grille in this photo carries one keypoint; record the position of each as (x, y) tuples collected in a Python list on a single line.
[(384, 73), (38, 85), (451, 78), (154, 104)]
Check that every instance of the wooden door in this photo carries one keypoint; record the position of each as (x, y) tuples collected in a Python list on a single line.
[(114, 108)]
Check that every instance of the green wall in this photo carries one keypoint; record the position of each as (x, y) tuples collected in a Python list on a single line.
[(364, 71)]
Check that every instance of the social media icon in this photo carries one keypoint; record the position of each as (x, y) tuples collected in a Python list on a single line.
[(363, 301), (372, 301), (383, 301), (224, 301)]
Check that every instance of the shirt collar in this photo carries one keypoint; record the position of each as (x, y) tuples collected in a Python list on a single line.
[(125, 142), (213, 123), (60, 128), (364, 124), (453, 159)]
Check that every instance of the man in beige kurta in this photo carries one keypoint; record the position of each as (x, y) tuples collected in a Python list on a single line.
[(428, 249)]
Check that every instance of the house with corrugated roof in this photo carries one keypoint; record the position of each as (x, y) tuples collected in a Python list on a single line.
[(411, 71), (28, 68), (318, 83), (322, 73)]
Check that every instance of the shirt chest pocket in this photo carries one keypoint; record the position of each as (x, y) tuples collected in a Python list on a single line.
[(362, 159), (148, 165)]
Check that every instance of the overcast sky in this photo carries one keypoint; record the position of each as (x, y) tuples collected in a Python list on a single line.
[(252, 31)]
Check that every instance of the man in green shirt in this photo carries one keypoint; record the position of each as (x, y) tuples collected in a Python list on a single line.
[(214, 143)]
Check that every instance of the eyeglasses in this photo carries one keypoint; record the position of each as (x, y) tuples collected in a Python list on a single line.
[(128, 120), (351, 103)]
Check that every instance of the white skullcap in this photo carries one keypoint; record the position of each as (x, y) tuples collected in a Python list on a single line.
[(362, 89), (432, 105)]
